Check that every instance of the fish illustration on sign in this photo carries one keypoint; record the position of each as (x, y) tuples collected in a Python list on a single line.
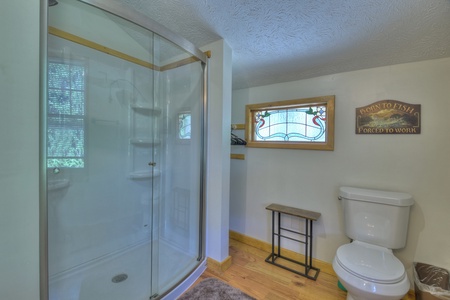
[(388, 117)]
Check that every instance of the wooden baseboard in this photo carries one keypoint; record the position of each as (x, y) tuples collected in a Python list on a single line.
[(262, 245), (216, 266)]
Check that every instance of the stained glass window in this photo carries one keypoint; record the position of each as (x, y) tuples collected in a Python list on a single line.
[(184, 126), (302, 123), (66, 115)]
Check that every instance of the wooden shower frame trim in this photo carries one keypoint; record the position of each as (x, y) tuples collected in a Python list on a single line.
[(93, 45)]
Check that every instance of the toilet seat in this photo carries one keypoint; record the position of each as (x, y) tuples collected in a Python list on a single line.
[(370, 262)]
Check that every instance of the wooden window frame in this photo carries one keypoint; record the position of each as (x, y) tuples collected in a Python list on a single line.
[(327, 101)]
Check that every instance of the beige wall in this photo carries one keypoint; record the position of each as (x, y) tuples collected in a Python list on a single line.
[(416, 164)]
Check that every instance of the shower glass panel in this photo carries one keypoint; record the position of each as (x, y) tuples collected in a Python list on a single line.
[(124, 157)]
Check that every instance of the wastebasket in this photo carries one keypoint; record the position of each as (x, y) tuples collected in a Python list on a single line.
[(431, 282)]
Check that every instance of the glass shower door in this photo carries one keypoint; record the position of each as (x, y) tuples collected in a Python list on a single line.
[(100, 155), (177, 248), (124, 157)]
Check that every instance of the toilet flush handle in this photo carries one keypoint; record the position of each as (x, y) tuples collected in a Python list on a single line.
[(339, 198)]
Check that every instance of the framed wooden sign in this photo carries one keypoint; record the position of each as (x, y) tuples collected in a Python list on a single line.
[(388, 117)]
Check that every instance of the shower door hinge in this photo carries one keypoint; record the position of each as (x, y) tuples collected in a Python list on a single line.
[(152, 163)]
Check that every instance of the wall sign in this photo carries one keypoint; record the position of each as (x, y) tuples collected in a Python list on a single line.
[(388, 117)]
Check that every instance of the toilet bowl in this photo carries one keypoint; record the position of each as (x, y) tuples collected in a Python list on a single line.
[(370, 272), (377, 222)]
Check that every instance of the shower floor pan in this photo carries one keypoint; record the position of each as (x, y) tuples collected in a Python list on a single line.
[(123, 276)]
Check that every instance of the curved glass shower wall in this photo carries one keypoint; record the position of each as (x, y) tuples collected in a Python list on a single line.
[(124, 157)]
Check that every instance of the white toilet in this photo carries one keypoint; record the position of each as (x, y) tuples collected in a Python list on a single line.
[(377, 222)]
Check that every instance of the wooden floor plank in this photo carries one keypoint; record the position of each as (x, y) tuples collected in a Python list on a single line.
[(263, 281)]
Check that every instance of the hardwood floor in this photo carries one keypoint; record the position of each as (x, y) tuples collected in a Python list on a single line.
[(263, 281)]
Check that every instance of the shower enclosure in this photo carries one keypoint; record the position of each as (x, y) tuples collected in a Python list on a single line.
[(123, 154)]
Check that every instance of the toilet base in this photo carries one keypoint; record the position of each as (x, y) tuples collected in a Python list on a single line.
[(359, 289), (349, 297)]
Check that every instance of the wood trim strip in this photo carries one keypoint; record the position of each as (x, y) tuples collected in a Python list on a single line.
[(183, 62), (180, 63), (237, 126), (93, 45), (237, 156), (218, 267), (262, 245), (82, 41)]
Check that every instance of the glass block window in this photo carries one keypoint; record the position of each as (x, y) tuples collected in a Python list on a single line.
[(66, 115), (302, 124), (184, 126)]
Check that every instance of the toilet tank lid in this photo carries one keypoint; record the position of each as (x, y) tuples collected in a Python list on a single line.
[(377, 196)]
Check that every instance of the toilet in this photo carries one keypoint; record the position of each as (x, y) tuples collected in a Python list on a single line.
[(377, 222)]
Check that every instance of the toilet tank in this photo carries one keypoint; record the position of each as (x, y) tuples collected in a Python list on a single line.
[(376, 217)]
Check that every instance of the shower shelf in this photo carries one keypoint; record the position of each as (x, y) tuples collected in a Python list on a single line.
[(144, 174), (145, 108), (59, 184), (143, 141)]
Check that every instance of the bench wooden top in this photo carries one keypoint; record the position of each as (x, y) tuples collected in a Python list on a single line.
[(307, 214)]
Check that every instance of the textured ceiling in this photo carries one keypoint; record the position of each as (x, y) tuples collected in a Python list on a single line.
[(278, 41)]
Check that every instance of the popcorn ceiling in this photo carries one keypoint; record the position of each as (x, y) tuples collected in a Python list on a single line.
[(278, 41)]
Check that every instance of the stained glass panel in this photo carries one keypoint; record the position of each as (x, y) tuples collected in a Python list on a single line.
[(297, 124), (294, 124)]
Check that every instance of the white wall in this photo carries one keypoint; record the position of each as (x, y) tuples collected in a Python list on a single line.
[(19, 148), (96, 26), (19, 156), (218, 151), (416, 164), (102, 210), (182, 89)]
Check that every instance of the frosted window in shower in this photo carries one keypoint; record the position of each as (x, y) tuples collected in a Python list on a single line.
[(184, 126), (66, 115)]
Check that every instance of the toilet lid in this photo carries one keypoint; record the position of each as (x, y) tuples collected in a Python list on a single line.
[(369, 262)]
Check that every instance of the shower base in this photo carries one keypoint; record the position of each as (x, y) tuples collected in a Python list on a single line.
[(125, 275)]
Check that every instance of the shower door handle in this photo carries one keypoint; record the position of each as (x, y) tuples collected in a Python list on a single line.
[(152, 163)]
